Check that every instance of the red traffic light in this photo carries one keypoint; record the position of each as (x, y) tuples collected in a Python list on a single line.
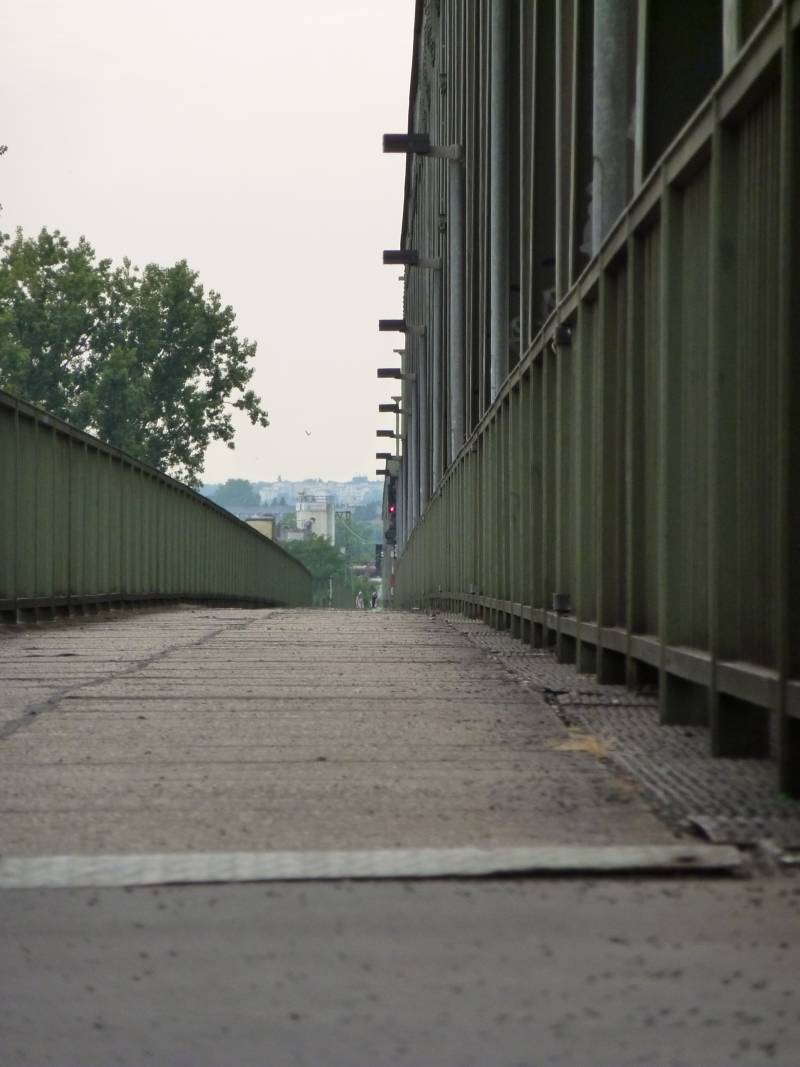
[(392, 509)]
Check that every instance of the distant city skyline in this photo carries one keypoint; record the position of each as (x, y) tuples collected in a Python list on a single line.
[(347, 493), (309, 479)]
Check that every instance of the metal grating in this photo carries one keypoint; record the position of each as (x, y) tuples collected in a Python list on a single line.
[(732, 801)]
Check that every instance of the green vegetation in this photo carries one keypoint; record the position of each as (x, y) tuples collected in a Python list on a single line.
[(145, 359), (320, 557), (237, 493), (331, 566), (357, 538)]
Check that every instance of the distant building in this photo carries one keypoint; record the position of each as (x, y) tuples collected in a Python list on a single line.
[(292, 533), (318, 510), (356, 492), (265, 524)]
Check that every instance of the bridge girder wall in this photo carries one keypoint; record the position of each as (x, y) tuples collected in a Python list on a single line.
[(84, 527), (631, 494)]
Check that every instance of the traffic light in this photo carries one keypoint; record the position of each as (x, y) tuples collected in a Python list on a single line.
[(390, 515)]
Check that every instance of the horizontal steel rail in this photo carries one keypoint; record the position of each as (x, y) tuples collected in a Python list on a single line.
[(84, 526), (631, 497)]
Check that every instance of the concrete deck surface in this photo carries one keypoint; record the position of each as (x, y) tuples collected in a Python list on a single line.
[(258, 730), (451, 974), (211, 730)]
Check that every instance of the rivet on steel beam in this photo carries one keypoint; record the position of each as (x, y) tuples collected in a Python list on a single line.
[(562, 337)]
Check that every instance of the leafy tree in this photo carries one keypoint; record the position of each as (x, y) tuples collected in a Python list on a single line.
[(146, 359), (320, 557), (237, 493), (357, 538)]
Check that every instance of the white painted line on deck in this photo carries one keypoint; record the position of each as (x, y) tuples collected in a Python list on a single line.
[(60, 872)]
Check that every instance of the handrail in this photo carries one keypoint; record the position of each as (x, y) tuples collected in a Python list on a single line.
[(84, 524)]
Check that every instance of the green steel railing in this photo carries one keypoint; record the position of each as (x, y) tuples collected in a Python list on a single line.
[(632, 495), (83, 524)]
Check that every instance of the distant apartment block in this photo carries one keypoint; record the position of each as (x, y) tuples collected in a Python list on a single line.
[(316, 512)]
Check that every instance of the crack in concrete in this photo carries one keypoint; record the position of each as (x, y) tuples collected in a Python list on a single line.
[(32, 712)]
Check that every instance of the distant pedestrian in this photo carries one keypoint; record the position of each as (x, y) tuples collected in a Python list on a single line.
[(359, 600), (374, 598)]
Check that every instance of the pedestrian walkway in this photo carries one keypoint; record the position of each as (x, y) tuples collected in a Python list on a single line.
[(225, 746), (234, 730)]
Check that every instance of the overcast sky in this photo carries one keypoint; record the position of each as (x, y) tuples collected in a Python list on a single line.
[(245, 137)]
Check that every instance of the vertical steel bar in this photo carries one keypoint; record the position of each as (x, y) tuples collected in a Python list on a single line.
[(609, 116), (788, 518), (422, 401), (457, 354), (564, 141), (499, 146), (722, 294), (639, 145), (436, 375)]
